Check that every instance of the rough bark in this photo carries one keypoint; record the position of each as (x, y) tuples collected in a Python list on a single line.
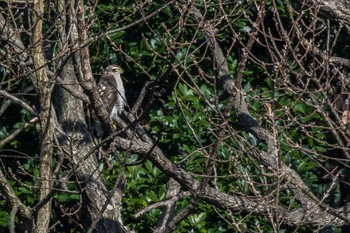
[(75, 138), (338, 10), (104, 207), (43, 87)]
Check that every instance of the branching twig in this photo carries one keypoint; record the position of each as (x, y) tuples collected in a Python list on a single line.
[(18, 101)]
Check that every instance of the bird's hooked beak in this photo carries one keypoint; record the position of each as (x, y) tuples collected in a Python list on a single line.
[(114, 69)]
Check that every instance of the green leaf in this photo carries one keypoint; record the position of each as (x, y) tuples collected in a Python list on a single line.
[(300, 167), (4, 219), (67, 197), (24, 190), (245, 29), (300, 108), (3, 132)]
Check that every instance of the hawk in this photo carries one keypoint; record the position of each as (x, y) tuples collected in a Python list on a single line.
[(112, 92)]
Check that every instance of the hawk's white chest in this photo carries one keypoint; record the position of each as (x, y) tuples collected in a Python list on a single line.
[(112, 92), (120, 100)]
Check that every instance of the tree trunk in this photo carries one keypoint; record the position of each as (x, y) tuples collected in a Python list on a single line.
[(43, 87)]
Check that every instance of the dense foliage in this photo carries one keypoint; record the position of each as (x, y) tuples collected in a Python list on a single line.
[(284, 144)]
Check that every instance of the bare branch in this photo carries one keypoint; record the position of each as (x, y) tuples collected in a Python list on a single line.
[(10, 195), (18, 101)]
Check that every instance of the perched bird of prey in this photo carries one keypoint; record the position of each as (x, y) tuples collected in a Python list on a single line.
[(112, 92)]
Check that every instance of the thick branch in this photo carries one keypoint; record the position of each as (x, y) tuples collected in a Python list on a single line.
[(218, 56), (103, 207), (83, 69), (11, 197), (43, 87), (334, 9), (225, 201)]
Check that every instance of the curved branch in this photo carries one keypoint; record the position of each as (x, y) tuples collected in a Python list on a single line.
[(236, 203), (11, 197), (18, 101), (333, 9)]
